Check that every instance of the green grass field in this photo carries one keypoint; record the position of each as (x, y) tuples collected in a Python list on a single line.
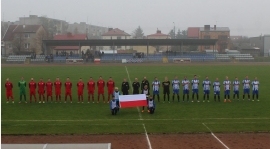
[(174, 117)]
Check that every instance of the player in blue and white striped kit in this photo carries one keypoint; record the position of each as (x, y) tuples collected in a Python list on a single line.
[(216, 86), (246, 86), (206, 88), (156, 86), (227, 89), (195, 88), (176, 87), (255, 89), (185, 84), (236, 85)]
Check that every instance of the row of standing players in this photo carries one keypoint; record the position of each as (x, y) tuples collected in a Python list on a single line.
[(145, 85)]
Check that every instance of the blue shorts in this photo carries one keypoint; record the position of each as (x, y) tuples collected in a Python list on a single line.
[(196, 91), (227, 92), (155, 92), (176, 91), (236, 92), (246, 91), (255, 92), (216, 92), (206, 92), (185, 91)]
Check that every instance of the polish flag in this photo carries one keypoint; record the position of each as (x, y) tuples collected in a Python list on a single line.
[(132, 100)]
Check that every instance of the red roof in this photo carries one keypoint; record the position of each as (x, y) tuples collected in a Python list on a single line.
[(158, 34), (193, 32), (116, 32), (69, 36), (12, 29)]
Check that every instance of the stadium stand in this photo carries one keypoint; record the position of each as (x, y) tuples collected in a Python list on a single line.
[(63, 58), (17, 58), (39, 58)]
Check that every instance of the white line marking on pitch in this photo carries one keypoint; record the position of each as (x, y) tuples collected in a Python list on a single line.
[(140, 115), (216, 137), (90, 120)]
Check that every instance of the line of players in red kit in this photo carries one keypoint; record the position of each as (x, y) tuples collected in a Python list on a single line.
[(48, 88)]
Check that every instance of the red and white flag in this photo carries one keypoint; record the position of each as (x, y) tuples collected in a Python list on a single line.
[(132, 100)]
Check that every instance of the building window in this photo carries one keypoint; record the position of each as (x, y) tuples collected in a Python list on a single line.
[(26, 45), (118, 37), (26, 35), (222, 37), (206, 37)]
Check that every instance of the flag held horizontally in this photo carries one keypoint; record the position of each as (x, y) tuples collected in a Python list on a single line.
[(132, 100)]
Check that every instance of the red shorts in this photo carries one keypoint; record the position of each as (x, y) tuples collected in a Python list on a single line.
[(49, 93), (41, 92), (57, 92), (91, 91), (80, 93), (32, 92), (100, 91), (68, 92), (9, 93), (110, 91)]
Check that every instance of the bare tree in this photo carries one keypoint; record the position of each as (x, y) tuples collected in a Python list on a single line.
[(40, 35), (18, 43)]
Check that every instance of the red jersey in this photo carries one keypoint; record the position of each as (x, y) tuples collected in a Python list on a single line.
[(68, 86), (57, 85), (91, 85), (100, 84), (110, 85), (8, 86), (80, 86), (41, 86), (32, 85), (49, 86)]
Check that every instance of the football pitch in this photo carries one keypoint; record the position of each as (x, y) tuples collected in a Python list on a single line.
[(173, 117)]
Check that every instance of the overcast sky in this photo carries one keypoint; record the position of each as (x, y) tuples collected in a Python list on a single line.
[(243, 17)]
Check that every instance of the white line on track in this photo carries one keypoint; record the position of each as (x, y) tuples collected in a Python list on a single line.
[(140, 115), (45, 145), (216, 137)]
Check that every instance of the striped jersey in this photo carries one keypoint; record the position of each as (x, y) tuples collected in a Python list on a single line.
[(216, 86), (246, 84), (255, 85), (227, 84), (195, 84), (176, 84), (236, 85), (156, 85), (206, 84), (186, 84)]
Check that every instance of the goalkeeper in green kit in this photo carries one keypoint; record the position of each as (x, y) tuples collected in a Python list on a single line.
[(22, 86)]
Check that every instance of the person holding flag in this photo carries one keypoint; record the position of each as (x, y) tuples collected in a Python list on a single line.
[(116, 94), (151, 105), (147, 93), (113, 106)]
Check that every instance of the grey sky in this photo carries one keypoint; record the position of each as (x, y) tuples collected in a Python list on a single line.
[(243, 17)]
